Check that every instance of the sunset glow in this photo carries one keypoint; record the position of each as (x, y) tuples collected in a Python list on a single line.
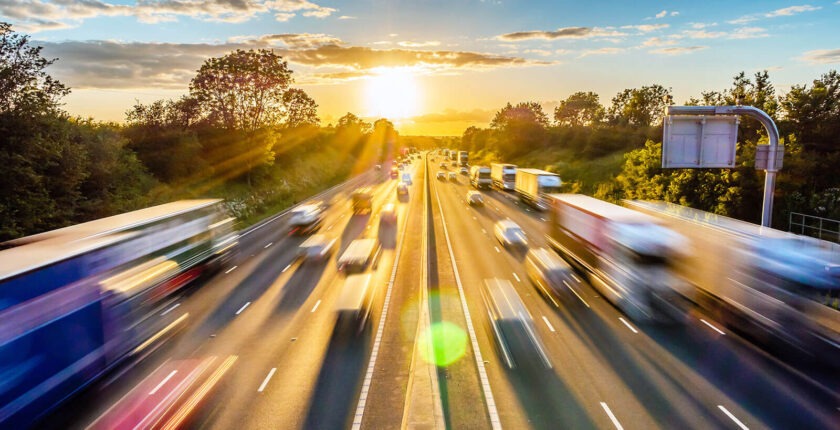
[(392, 93)]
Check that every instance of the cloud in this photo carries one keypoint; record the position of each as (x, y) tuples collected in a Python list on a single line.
[(410, 44), (601, 51), (787, 11), (561, 33), (736, 34), (658, 41), (343, 17), (451, 115), (646, 28), (702, 25), (678, 50), (661, 14), (540, 52), (110, 64), (821, 56), (675, 13), (292, 40), (40, 15)]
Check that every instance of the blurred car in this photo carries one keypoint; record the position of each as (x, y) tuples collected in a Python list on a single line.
[(377, 167), (548, 272), (512, 324), (509, 234), (464, 171), (306, 219), (443, 165), (402, 166), (406, 177), (402, 189), (395, 172), (453, 176), (388, 214), (362, 200), (318, 247), (441, 176), (474, 198)]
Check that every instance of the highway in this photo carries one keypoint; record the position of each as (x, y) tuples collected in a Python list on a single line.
[(266, 325)]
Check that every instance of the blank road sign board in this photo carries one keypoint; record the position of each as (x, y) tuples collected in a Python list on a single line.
[(698, 141)]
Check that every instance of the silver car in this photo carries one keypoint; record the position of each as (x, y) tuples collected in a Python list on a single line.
[(474, 198), (550, 274), (509, 234), (317, 247)]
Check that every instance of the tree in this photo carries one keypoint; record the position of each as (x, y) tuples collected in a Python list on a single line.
[(243, 90), (525, 113), (300, 109), (350, 121), (640, 107), (580, 109), (813, 114), (520, 128), (25, 86)]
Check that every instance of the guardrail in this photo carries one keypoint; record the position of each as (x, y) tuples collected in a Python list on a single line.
[(814, 226)]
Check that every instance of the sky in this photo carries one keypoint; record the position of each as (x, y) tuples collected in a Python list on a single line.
[(433, 67)]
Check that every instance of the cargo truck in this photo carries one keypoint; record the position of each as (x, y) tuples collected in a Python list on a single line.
[(354, 303), (357, 255), (503, 176), (480, 177), (626, 255), (463, 158), (362, 200), (532, 185), (776, 287)]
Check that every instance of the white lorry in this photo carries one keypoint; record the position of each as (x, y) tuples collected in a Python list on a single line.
[(480, 177), (503, 176), (774, 286), (626, 255), (532, 185)]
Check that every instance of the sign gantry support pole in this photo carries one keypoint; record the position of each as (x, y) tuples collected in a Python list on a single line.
[(768, 157)]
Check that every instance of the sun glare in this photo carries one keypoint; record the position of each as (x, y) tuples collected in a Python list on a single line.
[(392, 93)]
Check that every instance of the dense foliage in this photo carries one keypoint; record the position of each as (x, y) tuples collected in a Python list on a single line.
[(615, 152), (242, 133)]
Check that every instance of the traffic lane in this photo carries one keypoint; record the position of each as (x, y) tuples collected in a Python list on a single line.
[(614, 336), (459, 382), (389, 388), (780, 391), (208, 304), (522, 402)]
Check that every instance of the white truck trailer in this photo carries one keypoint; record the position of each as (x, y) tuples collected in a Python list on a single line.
[(625, 254), (503, 176), (532, 185), (774, 286)]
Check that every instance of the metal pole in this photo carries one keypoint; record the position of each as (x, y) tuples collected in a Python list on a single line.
[(772, 134)]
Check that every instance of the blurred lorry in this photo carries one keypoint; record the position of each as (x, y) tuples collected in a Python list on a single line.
[(354, 303), (532, 185), (362, 200), (463, 158), (776, 287), (503, 176), (480, 177), (357, 255), (512, 325), (626, 254), (77, 301)]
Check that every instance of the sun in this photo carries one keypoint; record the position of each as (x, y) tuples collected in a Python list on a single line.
[(392, 93)]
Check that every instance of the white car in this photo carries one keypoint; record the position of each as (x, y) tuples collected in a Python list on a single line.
[(509, 234), (406, 177), (441, 176), (317, 247), (474, 198), (305, 219), (453, 176), (388, 214)]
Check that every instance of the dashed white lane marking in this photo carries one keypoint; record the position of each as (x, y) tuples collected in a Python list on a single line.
[(576, 293), (267, 378), (712, 327), (269, 244), (242, 308), (612, 417), (550, 327), (231, 269), (733, 418), (576, 278), (475, 218), (495, 421), (497, 249), (517, 277), (542, 219), (168, 377), (286, 268), (318, 303), (170, 309), (628, 325), (484, 231)]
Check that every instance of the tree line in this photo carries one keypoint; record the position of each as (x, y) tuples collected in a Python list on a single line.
[(614, 152), (242, 132)]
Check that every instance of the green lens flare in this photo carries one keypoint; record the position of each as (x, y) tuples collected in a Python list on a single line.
[(443, 343)]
